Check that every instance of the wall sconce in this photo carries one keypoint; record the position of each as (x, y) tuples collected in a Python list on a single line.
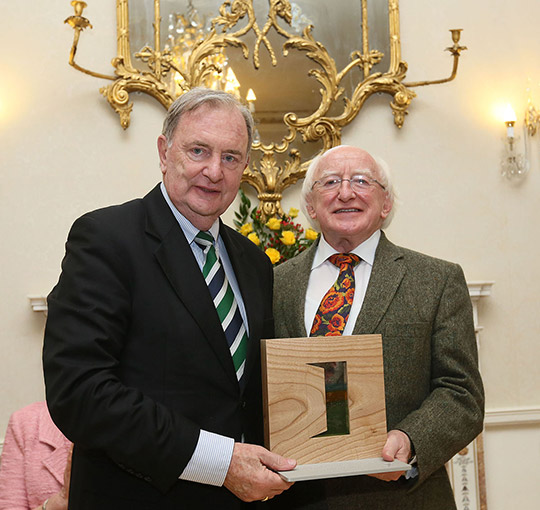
[(532, 119), (513, 165)]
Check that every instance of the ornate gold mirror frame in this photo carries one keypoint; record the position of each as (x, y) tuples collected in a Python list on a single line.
[(164, 73)]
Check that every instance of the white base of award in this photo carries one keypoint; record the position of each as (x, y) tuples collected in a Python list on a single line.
[(304, 472)]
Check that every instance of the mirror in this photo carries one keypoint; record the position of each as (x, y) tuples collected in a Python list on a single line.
[(186, 23), (304, 70)]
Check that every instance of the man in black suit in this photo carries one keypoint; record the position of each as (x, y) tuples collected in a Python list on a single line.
[(138, 371)]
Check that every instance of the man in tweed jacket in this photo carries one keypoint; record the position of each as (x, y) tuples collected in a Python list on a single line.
[(421, 307)]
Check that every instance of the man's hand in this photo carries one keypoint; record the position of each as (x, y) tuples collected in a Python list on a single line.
[(251, 473), (397, 446)]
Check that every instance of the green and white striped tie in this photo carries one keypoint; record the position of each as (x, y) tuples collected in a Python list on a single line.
[(225, 303)]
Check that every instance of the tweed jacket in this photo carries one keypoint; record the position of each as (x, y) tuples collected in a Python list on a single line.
[(421, 307), (33, 459)]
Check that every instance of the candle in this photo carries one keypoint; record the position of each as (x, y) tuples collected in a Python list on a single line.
[(251, 98), (510, 120)]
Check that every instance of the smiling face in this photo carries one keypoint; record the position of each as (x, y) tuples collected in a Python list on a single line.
[(203, 164), (347, 217)]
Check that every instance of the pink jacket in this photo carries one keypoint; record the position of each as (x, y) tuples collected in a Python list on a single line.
[(33, 459)]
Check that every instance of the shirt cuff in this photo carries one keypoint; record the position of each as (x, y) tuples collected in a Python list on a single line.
[(412, 473), (210, 460)]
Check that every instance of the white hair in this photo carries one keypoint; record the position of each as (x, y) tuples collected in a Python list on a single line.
[(382, 170)]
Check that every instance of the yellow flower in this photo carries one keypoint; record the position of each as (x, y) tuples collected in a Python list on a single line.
[(288, 238), (246, 228), (273, 255), (311, 234), (293, 212), (254, 238), (273, 223)]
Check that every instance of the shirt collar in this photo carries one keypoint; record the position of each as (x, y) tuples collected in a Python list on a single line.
[(190, 231), (366, 250)]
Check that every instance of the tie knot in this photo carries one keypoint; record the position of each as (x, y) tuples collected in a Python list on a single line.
[(344, 259), (204, 239)]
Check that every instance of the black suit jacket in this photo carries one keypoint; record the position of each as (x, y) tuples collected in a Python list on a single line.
[(136, 362)]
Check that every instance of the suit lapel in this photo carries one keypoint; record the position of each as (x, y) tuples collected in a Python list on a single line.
[(386, 275), (295, 284), (181, 269), (300, 290)]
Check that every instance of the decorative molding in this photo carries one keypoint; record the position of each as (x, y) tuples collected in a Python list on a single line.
[(38, 303), (512, 417), (494, 417), (478, 290)]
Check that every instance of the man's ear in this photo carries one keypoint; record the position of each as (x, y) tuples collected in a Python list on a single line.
[(162, 147), (310, 210), (387, 207)]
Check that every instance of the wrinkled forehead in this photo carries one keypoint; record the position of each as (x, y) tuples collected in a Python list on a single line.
[(348, 161)]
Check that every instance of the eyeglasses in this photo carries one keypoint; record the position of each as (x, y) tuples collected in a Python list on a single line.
[(359, 184)]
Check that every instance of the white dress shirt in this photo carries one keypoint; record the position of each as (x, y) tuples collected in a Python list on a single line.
[(324, 274)]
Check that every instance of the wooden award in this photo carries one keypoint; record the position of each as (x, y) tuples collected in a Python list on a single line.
[(324, 405)]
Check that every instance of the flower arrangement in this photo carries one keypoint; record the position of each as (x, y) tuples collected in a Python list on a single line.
[(280, 238)]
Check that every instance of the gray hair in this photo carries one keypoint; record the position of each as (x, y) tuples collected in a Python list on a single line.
[(383, 175), (197, 97)]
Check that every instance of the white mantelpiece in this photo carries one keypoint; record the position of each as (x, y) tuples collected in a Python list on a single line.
[(478, 290), (38, 303)]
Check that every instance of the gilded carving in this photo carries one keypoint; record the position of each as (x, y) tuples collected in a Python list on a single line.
[(275, 165)]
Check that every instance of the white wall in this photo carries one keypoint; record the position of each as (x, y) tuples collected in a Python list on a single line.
[(62, 152)]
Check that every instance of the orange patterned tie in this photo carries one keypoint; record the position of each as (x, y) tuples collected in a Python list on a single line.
[(335, 306)]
